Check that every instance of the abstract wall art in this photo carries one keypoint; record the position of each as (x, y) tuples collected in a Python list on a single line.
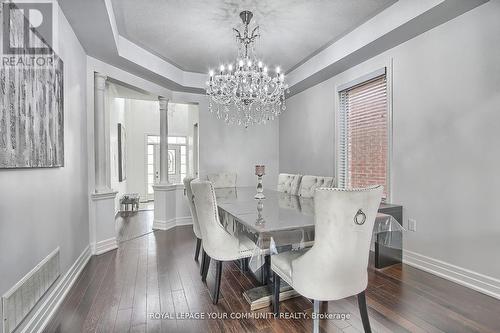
[(31, 108)]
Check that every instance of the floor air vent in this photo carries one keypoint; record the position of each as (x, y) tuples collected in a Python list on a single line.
[(24, 295)]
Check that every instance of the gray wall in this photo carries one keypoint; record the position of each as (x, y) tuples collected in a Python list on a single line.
[(446, 116), (41, 209), (234, 148)]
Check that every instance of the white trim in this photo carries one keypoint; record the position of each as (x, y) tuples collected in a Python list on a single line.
[(103, 196), (169, 224), (165, 187), (465, 277), (387, 69), (146, 190), (186, 220), (48, 308), (104, 246), (362, 79), (163, 224)]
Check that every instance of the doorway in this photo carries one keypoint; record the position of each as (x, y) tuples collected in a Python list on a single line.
[(178, 162)]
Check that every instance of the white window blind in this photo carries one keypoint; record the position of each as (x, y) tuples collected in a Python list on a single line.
[(363, 135)]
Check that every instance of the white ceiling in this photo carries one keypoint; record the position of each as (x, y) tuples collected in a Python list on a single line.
[(197, 35)]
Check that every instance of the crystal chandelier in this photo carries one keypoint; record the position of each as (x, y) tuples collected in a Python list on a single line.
[(244, 92)]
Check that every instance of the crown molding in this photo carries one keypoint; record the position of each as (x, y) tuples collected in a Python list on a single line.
[(396, 24)]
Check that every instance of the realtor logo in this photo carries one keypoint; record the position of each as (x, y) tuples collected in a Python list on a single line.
[(27, 27)]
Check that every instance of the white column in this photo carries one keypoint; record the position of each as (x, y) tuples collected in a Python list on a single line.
[(165, 193), (163, 140), (102, 184), (102, 228)]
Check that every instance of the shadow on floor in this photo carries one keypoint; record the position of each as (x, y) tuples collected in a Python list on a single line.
[(130, 225)]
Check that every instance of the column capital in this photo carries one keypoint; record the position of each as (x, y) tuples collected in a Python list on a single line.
[(163, 103), (100, 81)]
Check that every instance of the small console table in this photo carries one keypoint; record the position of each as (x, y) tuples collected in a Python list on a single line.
[(130, 199)]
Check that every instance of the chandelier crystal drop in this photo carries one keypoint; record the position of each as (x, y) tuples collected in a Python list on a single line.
[(245, 92)]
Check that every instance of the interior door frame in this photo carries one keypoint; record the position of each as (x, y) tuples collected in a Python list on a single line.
[(148, 196), (196, 147)]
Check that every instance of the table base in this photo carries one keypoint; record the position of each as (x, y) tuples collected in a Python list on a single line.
[(261, 297)]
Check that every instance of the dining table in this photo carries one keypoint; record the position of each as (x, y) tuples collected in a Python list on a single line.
[(285, 222)]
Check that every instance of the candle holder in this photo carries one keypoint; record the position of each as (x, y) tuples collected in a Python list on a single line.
[(259, 172), (260, 207)]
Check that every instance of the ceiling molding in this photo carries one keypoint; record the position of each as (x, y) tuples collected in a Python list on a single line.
[(396, 24), (399, 23)]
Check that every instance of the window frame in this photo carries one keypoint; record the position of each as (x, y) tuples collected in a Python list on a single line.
[(388, 71), (146, 143)]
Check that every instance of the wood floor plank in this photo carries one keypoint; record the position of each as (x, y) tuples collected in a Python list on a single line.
[(139, 307), (153, 288), (156, 273), (69, 305), (449, 295), (116, 277), (102, 298), (89, 297)]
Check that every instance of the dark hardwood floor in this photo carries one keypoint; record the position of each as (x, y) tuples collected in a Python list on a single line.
[(130, 225), (156, 273)]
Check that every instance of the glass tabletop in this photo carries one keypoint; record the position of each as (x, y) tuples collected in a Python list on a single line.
[(278, 211), (282, 222)]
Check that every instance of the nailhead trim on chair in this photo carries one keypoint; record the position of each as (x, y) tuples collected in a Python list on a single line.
[(214, 205), (361, 189)]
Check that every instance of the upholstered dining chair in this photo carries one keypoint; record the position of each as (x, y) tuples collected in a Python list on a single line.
[(196, 225), (218, 244), (223, 179), (310, 183), (288, 183), (335, 267)]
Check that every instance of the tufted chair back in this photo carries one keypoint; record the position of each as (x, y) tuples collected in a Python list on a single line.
[(288, 183), (217, 242), (189, 195), (310, 183), (288, 201), (336, 266), (223, 179)]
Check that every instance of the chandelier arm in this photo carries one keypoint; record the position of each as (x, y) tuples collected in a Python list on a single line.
[(253, 33), (238, 33)]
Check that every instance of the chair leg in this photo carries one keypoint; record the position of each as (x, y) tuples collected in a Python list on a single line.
[(197, 250), (218, 276), (363, 311), (202, 266), (276, 294), (245, 264), (316, 306), (207, 265), (267, 270)]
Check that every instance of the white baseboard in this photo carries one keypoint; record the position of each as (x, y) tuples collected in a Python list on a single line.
[(186, 220), (49, 306), (479, 282), (169, 224), (104, 246), (163, 224)]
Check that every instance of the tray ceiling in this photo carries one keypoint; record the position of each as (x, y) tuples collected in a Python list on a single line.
[(196, 35)]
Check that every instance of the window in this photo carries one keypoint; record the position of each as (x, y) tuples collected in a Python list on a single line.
[(177, 160), (363, 134)]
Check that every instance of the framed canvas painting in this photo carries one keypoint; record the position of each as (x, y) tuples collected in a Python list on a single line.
[(31, 98)]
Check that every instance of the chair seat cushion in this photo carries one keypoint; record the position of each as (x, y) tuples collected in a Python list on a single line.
[(281, 263)]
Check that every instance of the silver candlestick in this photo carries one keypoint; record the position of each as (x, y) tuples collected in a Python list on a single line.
[(259, 172), (260, 207)]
